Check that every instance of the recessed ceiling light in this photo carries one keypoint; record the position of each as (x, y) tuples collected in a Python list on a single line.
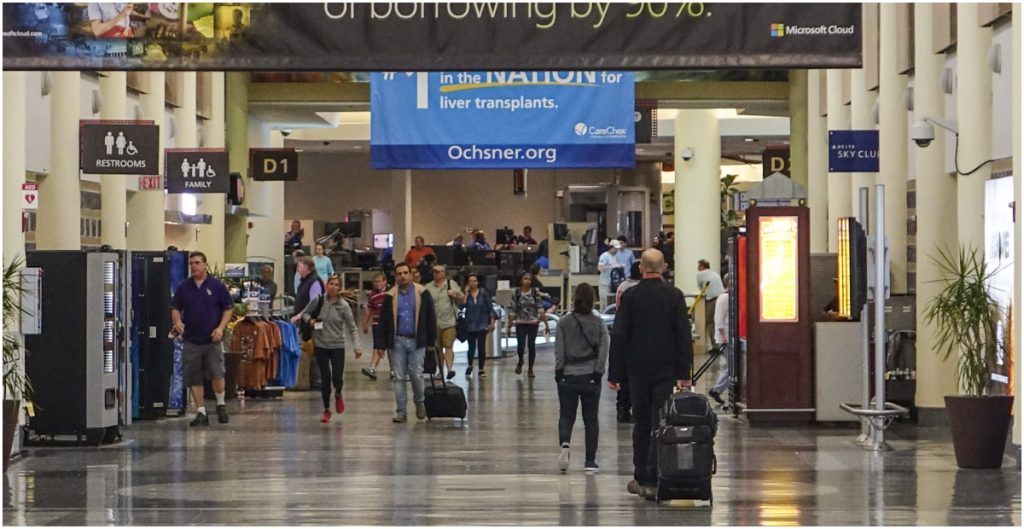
[(749, 140)]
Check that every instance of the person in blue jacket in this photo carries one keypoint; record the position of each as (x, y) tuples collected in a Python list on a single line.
[(479, 322)]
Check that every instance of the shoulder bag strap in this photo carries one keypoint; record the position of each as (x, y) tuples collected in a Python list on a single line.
[(593, 347)]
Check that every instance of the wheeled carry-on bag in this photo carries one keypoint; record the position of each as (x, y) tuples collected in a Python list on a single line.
[(686, 448), (444, 400)]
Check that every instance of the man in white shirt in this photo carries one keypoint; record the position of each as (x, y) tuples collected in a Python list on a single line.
[(707, 276), (605, 264), (722, 337)]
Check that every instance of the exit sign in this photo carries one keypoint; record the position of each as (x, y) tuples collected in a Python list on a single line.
[(151, 183)]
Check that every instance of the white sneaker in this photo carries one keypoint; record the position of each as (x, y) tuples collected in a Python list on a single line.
[(563, 458)]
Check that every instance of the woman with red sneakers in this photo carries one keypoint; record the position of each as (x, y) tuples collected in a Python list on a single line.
[(330, 316)]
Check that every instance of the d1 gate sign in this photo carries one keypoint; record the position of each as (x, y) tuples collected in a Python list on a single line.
[(268, 165), (853, 151)]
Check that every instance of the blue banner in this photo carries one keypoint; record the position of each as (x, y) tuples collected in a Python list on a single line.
[(853, 151), (501, 120)]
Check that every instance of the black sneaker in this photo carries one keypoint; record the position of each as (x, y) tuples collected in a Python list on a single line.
[(482, 374), (717, 396), (519, 368), (200, 420), (451, 375), (222, 414)]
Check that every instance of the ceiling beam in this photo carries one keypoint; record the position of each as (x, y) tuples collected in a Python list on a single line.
[(348, 92)]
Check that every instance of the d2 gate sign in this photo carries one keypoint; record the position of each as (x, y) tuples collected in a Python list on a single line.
[(119, 147), (196, 170), (268, 165), (853, 151)]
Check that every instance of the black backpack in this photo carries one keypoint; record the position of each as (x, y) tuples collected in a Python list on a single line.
[(617, 277)]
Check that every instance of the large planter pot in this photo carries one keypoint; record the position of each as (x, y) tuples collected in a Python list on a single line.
[(11, 408), (980, 426)]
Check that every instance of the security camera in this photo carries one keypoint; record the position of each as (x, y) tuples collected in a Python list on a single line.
[(286, 133), (687, 154), (922, 133)]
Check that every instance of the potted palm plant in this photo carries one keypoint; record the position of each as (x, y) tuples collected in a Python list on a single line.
[(16, 384), (966, 318)]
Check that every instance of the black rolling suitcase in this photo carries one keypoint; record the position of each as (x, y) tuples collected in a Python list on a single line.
[(686, 448), (444, 399)]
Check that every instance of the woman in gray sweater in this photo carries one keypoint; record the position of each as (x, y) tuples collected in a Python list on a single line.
[(581, 353), (331, 317)]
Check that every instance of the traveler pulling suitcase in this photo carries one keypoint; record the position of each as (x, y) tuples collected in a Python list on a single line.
[(686, 447), (446, 400)]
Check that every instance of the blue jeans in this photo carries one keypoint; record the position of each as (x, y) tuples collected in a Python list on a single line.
[(407, 360)]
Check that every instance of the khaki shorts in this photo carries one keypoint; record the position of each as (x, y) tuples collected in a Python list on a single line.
[(198, 360), (446, 339)]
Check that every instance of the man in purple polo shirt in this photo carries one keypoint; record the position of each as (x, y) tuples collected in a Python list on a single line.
[(200, 310)]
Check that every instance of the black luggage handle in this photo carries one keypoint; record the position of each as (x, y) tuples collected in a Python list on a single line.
[(440, 363)]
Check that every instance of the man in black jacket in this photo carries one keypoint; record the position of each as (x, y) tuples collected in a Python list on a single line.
[(409, 325), (652, 348)]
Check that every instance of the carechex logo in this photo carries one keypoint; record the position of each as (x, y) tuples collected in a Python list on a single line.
[(782, 30), (611, 131)]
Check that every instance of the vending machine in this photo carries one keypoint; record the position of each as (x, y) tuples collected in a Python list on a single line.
[(77, 361)]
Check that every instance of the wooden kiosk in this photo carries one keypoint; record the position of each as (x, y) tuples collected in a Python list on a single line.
[(779, 360)]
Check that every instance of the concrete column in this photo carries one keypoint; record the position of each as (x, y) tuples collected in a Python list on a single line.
[(113, 197), (58, 221), (839, 204), (211, 238), (146, 208), (401, 212), (862, 103), (265, 199), (15, 126), (1018, 245), (817, 164), (798, 126), (186, 237), (974, 108), (698, 192), (893, 141), (936, 226)]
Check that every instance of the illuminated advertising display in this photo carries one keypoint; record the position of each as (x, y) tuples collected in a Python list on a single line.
[(777, 283)]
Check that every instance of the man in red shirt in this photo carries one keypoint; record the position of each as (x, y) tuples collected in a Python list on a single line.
[(418, 252), (371, 320)]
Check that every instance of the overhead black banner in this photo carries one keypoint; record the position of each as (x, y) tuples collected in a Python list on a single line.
[(382, 36), (196, 170), (268, 165), (119, 147)]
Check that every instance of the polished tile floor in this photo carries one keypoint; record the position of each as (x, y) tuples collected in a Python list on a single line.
[(276, 464)]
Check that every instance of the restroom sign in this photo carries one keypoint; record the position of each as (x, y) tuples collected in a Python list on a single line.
[(267, 165), (30, 195), (196, 170), (119, 147)]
